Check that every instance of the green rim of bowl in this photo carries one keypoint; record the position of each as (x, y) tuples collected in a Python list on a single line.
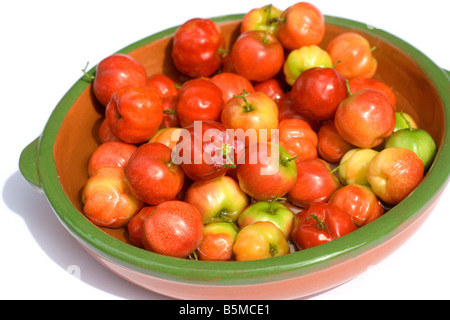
[(251, 272)]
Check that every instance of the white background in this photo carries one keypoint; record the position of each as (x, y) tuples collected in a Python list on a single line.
[(45, 44)]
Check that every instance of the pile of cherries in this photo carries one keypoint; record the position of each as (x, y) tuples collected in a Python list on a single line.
[(271, 146)]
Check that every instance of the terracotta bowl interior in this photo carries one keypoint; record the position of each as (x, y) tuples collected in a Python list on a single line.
[(77, 136)]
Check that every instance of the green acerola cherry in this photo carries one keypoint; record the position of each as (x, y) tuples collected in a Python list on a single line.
[(416, 140)]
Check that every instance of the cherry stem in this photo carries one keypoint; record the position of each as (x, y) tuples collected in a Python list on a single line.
[(230, 163), (338, 167), (320, 224), (269, 9), (172, 166), (275, 20), (284, 162), (87, 75), (195, 256), (348, 88), (334, 65), (170, 111), (273, 250), (266, 34), (226, 150), (272, 204), (223, 215), (223, 51), (248, 107), (271, 20), (410, 128)]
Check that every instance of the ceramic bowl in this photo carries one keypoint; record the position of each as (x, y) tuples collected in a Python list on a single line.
[(56, 164)]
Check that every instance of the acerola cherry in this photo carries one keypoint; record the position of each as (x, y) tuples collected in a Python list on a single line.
[(174, 228), (199, 100), (196, 45), (302, 25), (317, 93), (257, 56), (135, 113), (365, 119), (115, 72)]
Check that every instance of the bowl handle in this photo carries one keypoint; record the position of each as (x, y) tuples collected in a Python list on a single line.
[(28, 164)]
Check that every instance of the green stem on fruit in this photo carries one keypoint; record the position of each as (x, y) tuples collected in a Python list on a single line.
[(338, 167), (231, 166), (247, 107), (195, 256), (373, 48), (170, 111), (266, 34), (230, 163), (271, 209), (410, 128), (221, 216), (268, 22), (275, 20), (268, 8), (226, 150), (271, 20), (172, 166), (284, 162), (223, 51), (86, 74), (348, 87), (273, 250), (334, 65), (320, 224)]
